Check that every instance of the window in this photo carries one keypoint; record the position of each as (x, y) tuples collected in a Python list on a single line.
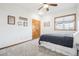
[(65, 23)]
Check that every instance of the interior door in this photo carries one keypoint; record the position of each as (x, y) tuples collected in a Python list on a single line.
[(35, 29)]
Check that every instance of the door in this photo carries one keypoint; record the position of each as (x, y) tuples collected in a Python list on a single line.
[(35, 29)]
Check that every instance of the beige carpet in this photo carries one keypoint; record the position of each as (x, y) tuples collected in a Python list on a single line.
[(28, 49)]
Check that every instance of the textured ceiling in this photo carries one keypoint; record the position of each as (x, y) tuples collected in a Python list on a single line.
[(34, 6)]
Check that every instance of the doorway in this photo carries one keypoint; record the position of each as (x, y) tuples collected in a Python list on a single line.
[(35, 28)]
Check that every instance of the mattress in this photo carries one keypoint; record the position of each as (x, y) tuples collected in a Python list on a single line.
[(63, 40)]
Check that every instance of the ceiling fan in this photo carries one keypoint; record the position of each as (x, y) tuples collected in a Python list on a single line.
[(46, 6)]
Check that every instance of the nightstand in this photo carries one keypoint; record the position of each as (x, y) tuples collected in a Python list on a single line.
[(77, 45)]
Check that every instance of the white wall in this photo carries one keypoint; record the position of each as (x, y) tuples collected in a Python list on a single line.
[(11, 34)]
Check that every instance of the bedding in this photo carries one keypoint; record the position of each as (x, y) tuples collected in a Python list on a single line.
[(63, 40)]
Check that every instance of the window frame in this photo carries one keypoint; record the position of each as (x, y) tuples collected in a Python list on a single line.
[(55, 29)]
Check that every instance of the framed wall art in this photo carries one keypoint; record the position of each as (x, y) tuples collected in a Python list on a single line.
[(25, 24), (11, 20), (24, 21), (46, 24), (19, 23)]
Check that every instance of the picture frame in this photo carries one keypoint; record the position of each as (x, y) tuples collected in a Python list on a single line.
[(23, 18), (46, 24), (25, 24), (11, 20), (24, 21), (19, 23)]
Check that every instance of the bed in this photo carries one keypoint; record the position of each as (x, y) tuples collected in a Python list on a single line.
[(61, 44)]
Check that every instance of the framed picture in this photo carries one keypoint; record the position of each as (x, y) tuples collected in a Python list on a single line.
[(25, 24), (24, 21), (46, 24), (23, 18), (19, 23), (11, 19)]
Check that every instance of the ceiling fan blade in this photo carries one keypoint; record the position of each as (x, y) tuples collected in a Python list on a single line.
[(40, 8), (45, 3), (52, 4)]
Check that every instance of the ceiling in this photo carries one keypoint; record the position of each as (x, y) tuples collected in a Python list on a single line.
[(34, 6)]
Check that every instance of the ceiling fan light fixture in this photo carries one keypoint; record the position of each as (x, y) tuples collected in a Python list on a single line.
[(47, 9), (46, 6)]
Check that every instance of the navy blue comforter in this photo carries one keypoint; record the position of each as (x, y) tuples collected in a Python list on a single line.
[(64, 41)]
